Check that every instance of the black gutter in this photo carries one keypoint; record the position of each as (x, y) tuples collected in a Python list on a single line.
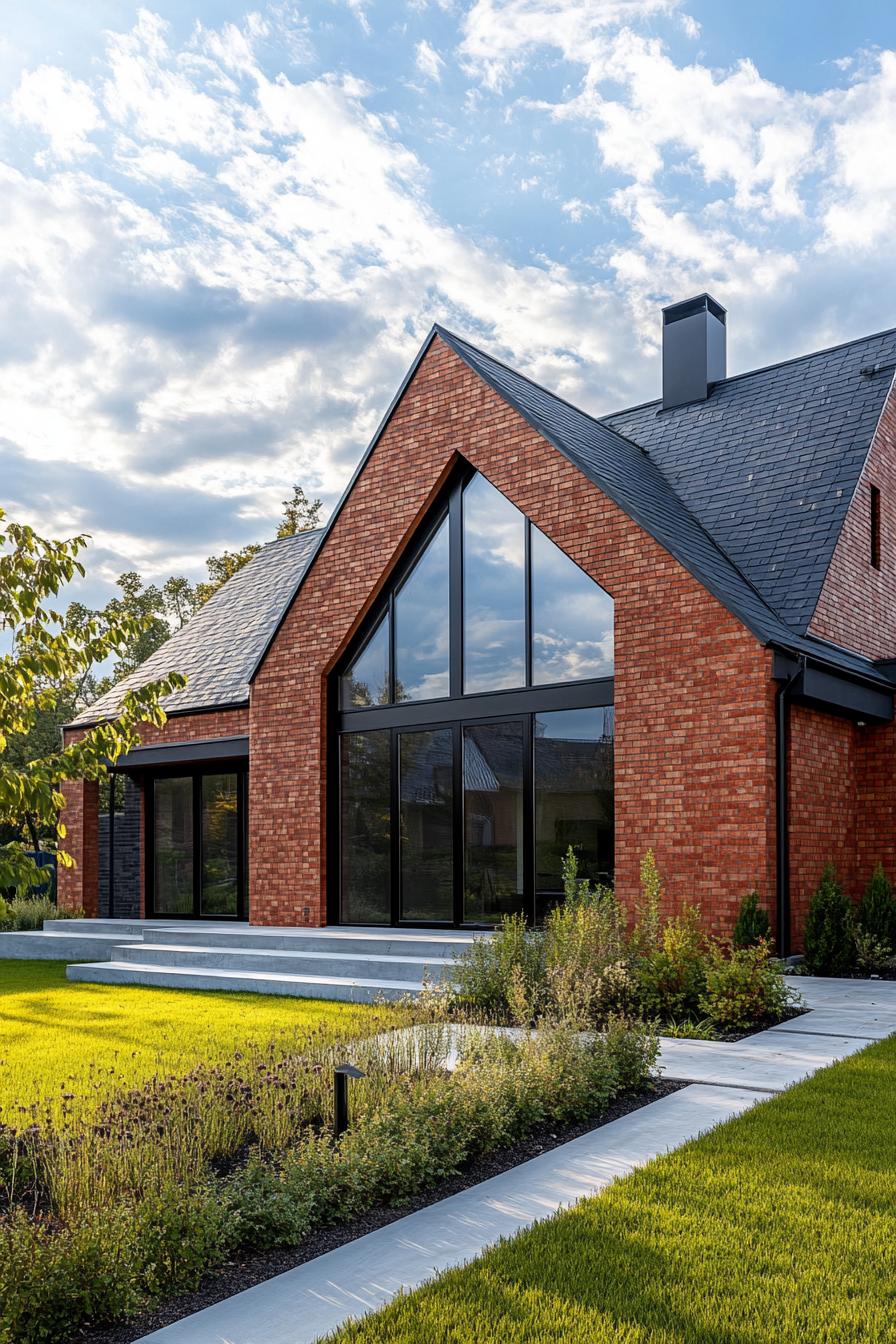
[(782, 823)]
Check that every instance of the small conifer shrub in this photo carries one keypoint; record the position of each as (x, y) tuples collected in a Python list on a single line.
[(830, 938), (752, 925)]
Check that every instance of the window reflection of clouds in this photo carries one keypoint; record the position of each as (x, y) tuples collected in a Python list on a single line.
[(494, 590), (421, 625), (572, 618)]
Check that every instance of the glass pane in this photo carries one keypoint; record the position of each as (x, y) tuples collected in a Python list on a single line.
[(427, 824), (572, 618), (367, 682), (220, 845), (493, 821), (365, 831), (573, 798), (173, 847), (421, 625), (494, 590)]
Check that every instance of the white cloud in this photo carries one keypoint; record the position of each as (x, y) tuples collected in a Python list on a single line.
[(63, 108), (429, 62)]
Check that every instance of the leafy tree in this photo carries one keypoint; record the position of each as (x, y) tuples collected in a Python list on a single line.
[(752, 925), (220, 569), (49, 658), (299, 513), (830, 946)]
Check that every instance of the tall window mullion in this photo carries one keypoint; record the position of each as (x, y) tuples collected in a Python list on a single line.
[(456, 592)]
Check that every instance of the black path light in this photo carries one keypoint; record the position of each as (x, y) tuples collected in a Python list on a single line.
[(341, 1075)]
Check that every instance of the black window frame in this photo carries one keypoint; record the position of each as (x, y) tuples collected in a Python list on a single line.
[(196, 773), (456, 710)]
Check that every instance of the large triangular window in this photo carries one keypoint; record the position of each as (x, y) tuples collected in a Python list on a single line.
[(487, 603)]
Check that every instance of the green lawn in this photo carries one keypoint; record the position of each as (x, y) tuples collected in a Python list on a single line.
[(57, 1036), (778, 1226)]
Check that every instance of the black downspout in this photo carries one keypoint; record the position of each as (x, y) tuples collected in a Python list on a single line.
[(782, 847)]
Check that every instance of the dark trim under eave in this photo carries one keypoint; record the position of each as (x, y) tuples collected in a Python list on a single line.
[(185, 753)]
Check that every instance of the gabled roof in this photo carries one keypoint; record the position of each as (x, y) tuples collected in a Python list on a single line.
[(631, 477), (769, 463), (218, 647)]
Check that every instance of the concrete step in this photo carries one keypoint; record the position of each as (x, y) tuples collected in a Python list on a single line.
[(40, 945), (343, 989), (330, 963), (356, 942), (122, 928)]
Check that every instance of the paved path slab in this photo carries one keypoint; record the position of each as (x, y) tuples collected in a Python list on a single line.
[(870, 1024), (304, 1303), (821, 992), (770, 1060)]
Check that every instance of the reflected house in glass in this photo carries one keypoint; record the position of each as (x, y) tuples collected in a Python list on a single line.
[(526, 629)]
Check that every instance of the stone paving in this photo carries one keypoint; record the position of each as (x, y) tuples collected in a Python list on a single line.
[(303, 1304)]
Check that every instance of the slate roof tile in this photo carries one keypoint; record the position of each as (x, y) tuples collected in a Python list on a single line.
[(218, 647)]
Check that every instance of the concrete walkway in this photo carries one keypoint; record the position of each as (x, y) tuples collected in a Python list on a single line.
[(300, 1306)]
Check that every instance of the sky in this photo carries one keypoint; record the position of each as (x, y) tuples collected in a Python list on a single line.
[(225, 230)]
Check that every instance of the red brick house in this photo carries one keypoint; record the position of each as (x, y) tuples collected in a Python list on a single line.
[(524, 628)]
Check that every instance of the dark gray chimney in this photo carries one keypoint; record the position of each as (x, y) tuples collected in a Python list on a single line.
[(693, 349)]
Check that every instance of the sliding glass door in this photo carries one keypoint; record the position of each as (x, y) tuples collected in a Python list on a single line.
[(196, 845)]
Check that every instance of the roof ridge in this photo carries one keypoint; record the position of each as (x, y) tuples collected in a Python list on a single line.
[(564, 401), (697, 522), (763, 368)]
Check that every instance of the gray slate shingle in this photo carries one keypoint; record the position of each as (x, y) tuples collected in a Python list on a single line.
[(218, 648), (770, 461)]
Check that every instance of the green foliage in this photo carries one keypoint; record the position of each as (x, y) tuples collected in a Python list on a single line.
[(672, 976), (779, 1225), (648, 927), (876, 913), (300, 514), (587, 957), (48, 652), (829, 935), (745, 988), (752, 925), (136, 1209), (26, 914), (504, 975)]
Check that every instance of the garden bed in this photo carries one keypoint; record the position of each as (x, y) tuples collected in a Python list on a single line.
[(249, 1270)]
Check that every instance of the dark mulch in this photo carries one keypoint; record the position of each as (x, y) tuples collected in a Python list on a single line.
[(761, 1026), (246, 1272)]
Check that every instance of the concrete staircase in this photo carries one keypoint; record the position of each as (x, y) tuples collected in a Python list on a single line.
[(356, 965)]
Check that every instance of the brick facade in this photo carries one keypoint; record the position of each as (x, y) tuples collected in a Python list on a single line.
[(694, 692), (857, 605), (694, 736)]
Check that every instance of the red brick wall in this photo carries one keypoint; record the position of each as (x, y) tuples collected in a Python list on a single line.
[(875, 801), (822, 765), (694, 756), (857, 605), (79, 887)]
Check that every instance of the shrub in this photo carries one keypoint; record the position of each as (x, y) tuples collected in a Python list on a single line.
[(672, 976), (876, 913), (752, 925), (874, 957), (26, 914), (503, 975), (829, 937), (587, 956), (745, 988), (648, 927)]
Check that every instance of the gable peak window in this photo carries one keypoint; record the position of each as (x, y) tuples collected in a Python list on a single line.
[(486, 602)]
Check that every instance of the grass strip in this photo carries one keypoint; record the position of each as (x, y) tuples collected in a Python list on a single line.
[(58, 1035), (779, 1225)]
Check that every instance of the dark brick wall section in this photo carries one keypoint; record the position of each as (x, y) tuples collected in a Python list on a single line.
[(694, 762), (857, 605), (127, 840)]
